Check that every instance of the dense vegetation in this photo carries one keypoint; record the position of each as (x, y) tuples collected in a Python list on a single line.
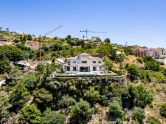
[(34, 98)]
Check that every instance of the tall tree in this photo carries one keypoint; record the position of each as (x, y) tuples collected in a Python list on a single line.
[(138, 114), (92, 95), (30, 81), (107, 40), (52, 117), (42, 98), (4, 66), (80, 111), (116, 110), (105, 49), (30, 114), (18, 97)]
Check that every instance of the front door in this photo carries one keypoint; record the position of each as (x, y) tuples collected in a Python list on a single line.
[(84, 69)]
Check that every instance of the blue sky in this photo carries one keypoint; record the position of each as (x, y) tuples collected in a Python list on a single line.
[(141, 22)]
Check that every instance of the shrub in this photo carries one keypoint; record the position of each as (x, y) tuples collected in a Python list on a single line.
[(80, 111), (12, 53), (105, 49), (153, 120), (120, 57), (56, 47), (41, 68), (163, 110), (147, 58), (30, 114), (140, 60), (133, 71), (107, 40), (30, 81), (66, 101), (160, 77), (103, 100), (29, 37), (42, 98), (108, 64), (138, 114), (144, 75), (92, 95), (163, 70), (18, 97), (4, 66), (137, 96), (142, 96), (52, 117), (152, 65), (115, 110), (15, 73), (23, 47), (120, 72)]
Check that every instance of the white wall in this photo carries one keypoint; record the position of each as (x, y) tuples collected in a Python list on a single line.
[(78, 63)]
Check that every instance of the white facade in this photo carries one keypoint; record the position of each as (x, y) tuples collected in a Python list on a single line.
[(84, 64), (161, 60)]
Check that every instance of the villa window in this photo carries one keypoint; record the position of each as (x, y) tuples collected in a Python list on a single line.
[(94, 61), (84, 69), (94, 68), (68, 68), (74, 69), (74, 62), (84, 61), (68, 62), (99, 61)]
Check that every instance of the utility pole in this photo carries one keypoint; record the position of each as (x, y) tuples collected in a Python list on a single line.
[(126, 46), (39, 40), (86, 33)]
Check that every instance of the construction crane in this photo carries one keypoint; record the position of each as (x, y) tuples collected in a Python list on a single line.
[(46, 34), (87, 31)]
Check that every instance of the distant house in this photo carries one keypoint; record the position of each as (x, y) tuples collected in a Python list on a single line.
[(161, 60), (154, 52), (84, 64), (26, 65), (3, 39), (14, 33), (159, 54), (60, 61)]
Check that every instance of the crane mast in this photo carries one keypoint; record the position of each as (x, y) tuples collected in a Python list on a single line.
[(87, 31), (46, 34)]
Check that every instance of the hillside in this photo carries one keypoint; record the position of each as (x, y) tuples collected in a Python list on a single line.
[(31, 95)]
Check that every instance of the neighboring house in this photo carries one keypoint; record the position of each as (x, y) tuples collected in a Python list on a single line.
[(60, 61), (154, 52), (27, 65), (84, 64), (159, 54), (161, 60), (140, 52), (14, 33), (3, 39)]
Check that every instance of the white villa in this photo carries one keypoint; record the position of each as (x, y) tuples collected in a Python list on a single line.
[(84, 64)]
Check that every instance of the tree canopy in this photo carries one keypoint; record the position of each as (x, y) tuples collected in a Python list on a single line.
[(52, 117), (30, 114)]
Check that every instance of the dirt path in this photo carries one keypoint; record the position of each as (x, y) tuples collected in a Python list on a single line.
[(100, 117), (159, 99)]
